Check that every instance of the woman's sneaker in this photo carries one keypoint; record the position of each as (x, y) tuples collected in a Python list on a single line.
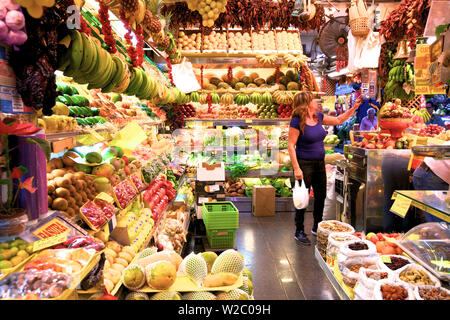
[(314, 232), (302, 237)]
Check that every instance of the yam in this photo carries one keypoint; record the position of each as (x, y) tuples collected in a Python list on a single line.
[(60, 204), (50, 176), (171, 256), (50, 200), (62, 192), (220, 279), (62, 182)]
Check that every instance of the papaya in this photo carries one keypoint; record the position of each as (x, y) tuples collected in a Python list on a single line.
[(94, 157)]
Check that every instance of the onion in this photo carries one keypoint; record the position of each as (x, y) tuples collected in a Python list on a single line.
[(15, 20), (9, 4), (3, 12), (16, 37)]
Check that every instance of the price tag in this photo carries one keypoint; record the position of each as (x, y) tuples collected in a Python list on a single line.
[(386, 259), (248, 121), (219, 127), (401, 205), (105, 196), (49, 242)]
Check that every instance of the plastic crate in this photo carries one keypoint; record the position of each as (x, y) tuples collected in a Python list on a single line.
[(221, 238), (220, 215)]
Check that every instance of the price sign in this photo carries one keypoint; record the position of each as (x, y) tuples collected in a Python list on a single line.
[(386, 259), (401, 205), (49, 242)]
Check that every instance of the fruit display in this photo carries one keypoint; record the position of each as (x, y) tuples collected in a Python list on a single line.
[(14, 252), (216, 41), (395, 110), (267, 112), (239, 41), (208, 9), (264, 41), (157, 196), (34, 284), (171, 233), (124, 193), (118, 257), (288, 41), (69, 261), (331, 139), (400, 81), (431, 130), (86, 242), (191, 42), (285, 111), (235, 187), (383, 141)]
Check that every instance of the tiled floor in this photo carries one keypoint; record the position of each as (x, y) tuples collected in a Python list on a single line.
[(282, 268)]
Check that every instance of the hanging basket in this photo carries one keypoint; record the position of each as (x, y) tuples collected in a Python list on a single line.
[(359, 26)]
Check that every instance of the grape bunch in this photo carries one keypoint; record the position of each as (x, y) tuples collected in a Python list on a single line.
[(208, 9)]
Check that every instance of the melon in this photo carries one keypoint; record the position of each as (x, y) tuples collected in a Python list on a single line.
[(292, 86), (160, 275), (239, 86), (259, 81), (133, 276), (228, 261), (236, 294), (246, 80), (194, 266), (200, 295), (166, 295), (215, 81), (147, 252), (137, 296)]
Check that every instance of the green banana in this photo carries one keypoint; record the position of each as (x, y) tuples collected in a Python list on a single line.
[(76, 53), (140, 92), (116, 75)]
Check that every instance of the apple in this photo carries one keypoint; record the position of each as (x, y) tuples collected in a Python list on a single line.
[(370, 234), (374, 239), (380, 236)]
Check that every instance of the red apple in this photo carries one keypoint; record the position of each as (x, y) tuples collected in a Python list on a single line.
[(380, 236), (374, 239)]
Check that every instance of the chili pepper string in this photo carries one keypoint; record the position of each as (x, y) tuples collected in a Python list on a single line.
[(201, 76), (84, 28), (132, 53), (230, 74), (169, 68), (140, 45), (209, 100), (103, 14), (277, 73)]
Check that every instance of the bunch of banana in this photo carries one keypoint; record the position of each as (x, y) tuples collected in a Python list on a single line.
[(423, 113), (88, 63), (141, 85), (283, 97), (295, 61), (267, 58)]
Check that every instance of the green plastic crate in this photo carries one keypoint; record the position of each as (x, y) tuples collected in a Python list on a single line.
[(221, 238), (220, 215)]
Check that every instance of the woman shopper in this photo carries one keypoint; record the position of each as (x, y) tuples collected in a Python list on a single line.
[(307, 153)]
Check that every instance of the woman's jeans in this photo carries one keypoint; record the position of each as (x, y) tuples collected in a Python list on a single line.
[(425, 179), (315, 176)]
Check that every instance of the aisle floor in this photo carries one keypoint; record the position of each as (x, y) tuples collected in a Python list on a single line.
[(282, 268)]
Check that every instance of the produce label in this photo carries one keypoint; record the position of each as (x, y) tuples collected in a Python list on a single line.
[(49, 242), (386, 259), (401, 205), (51, 228)]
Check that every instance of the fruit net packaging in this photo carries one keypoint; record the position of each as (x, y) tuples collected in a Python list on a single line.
[(325, 228), (335, 241), (392, 290), (426, 292)]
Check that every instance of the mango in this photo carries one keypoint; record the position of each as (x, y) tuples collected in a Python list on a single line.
[(82, 168), (104, 170), (94, 157), (16, 260)]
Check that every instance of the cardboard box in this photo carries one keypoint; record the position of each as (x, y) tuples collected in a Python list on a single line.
[(263, 201)]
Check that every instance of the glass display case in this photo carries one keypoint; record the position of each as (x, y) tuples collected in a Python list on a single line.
[(429, 244)]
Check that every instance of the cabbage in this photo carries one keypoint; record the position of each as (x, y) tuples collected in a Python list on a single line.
[(250, 182)]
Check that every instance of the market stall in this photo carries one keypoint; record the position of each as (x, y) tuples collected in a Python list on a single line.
[(137, 136)]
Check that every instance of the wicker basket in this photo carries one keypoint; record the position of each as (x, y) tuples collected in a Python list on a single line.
[(359, 26)]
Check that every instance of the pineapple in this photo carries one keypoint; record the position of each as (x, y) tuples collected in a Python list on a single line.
[(147, 18), (165, 43), (129, 6), (155, 25)]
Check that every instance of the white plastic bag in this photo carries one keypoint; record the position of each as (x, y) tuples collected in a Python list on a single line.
[(377, 294), (300, 195), (184, 77)]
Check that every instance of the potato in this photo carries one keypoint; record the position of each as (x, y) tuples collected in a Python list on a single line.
[(72, 190), (50, 176), (71, 212), (60, 204), (72, 202), (62, 182), (62, 192), (58, 172), (50, 201), (57, 163), (50, 167), (51, 187), (78, 185), (70, 176), (79, 175)]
